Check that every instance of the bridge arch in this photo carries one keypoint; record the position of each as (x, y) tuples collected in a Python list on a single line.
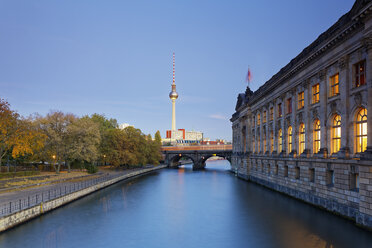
[(224, 156), (174, 159)]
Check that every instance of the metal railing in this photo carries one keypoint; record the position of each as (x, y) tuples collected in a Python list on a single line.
[(47, 195)]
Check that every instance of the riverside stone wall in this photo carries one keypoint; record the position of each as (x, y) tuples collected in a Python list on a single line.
[(339, 186), (17, 218)]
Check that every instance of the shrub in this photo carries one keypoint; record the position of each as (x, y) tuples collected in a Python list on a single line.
[(91, 169)]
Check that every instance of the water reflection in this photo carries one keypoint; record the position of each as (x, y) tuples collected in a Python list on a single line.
[(185, 208)]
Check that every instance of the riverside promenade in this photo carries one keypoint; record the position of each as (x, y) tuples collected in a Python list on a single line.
[(20, 206)]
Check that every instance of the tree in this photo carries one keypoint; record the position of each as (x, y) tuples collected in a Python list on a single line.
[(54, 126), (18, 136), (82, 141), (157, 148), (105, 126), (158, 139)]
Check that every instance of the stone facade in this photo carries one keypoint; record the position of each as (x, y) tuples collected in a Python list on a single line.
[(305, 132)]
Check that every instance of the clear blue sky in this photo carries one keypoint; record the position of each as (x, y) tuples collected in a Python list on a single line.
[(115, 57)]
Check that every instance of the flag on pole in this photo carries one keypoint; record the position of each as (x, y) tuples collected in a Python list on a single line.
[(249, 76)]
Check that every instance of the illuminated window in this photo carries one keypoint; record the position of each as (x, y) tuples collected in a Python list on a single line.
[(271, 113), (316, 136), (279, 110), (361, 130), (264, 117), (280, 140), (258, 144), (360, 72), (301, 100), (271, 142), (301, 139), (336, 134), (264, 143), (289, 105), (258, 119), (334, 85), (289, 139), (315, 90)]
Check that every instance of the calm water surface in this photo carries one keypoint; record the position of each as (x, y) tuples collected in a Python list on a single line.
[(185, 208)]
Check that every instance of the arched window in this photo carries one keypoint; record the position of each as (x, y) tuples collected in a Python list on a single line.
[(361, 130), (264, 142), (280, 141), (301, 139), (316, 136), (336, 133), (271, 141), (289, 139), (258, 119)]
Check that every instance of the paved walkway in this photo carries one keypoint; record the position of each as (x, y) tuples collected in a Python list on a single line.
[(54, 188)]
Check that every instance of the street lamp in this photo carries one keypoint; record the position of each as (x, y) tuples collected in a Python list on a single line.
[(54, 162), (104, 159)]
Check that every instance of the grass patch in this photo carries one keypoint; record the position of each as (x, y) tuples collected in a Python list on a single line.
[(18, 174)]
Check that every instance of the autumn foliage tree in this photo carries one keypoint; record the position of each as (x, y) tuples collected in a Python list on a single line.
[(82, 140), (55, 126), (17, 136), (60, 139)]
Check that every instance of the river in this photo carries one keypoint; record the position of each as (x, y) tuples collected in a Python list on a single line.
[(185, 208)]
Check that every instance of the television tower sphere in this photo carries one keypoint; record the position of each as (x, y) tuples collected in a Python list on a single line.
[(173, 95)]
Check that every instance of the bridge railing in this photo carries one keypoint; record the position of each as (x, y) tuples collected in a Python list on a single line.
[(201, 148)]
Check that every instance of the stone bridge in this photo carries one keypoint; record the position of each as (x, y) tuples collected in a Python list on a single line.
[(198, 154)]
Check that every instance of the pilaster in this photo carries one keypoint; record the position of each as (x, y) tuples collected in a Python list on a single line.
[(343, 65)]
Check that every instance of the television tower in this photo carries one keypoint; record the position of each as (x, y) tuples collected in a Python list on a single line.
[(173, 95)]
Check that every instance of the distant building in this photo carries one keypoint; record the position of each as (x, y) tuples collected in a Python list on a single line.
[(181, 136), (124, 125)]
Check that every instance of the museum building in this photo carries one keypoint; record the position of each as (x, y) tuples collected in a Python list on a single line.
[(306, 132)]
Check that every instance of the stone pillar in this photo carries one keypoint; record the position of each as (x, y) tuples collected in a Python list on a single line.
[(323, 115), (249, 133), (307, 118), (261, 135), (293, 123), (275, 130), (267, 148), (343, 65), (284, 127)]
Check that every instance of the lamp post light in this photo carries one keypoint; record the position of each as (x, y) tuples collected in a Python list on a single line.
[(54, 161), (104, 159)]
